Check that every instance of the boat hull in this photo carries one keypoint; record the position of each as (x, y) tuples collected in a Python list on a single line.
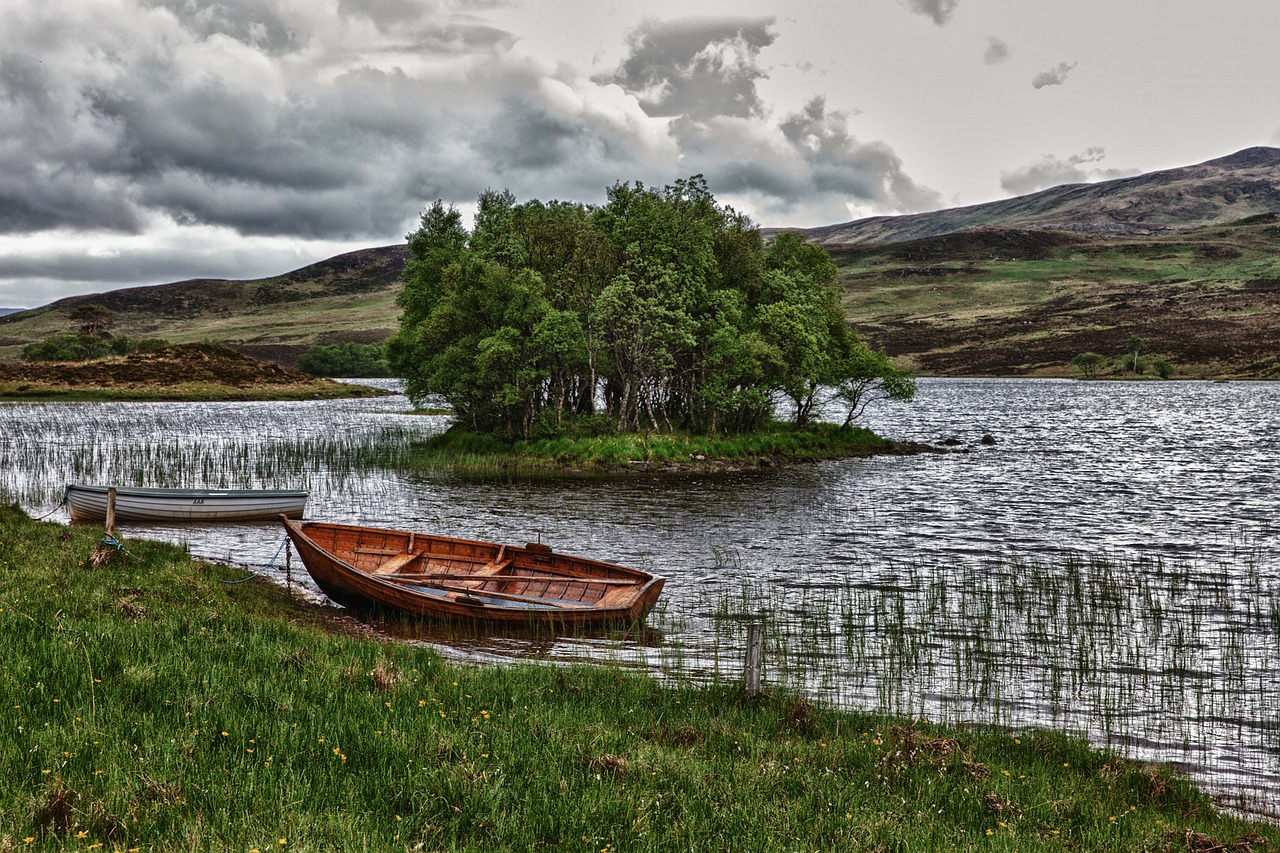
[(89, 503), (460, 580)]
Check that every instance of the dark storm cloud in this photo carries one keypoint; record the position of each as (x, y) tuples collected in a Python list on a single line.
[(819, 165), (1050, 171), (870, 172), (162, 117), (939, 10), (1055, 76), (698, 67), (216, 133), (997, 51)]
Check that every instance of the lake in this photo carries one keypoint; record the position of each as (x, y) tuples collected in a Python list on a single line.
[(1106, 567)]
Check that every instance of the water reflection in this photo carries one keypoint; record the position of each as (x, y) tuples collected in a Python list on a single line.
[(1105, 567)]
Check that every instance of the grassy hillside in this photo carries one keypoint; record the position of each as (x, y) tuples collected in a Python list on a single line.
[(350, 297), (1001, 302), (984, 302)]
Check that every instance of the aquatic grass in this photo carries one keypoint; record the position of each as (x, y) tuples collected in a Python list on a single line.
[(42, 449), (150, 706), (1153, 657)]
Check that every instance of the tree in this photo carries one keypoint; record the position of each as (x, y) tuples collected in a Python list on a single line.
[(345, 359), (868, 375), (90, 318), (1088, 363), (1133, 346), (659, 310)]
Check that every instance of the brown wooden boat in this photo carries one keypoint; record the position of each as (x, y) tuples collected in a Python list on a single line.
[(437, 577)]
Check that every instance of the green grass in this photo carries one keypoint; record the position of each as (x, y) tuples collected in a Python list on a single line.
[(149, 706), (469, 453)]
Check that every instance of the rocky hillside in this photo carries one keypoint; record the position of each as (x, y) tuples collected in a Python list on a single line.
[(1231, 188)]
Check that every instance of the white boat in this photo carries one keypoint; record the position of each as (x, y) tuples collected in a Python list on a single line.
[(89, 503)]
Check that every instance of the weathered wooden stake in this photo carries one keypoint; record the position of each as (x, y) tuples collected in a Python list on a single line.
[(288, 568), (111, 510), (755, 658)]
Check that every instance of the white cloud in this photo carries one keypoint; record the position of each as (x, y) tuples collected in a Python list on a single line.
[(1055, 76)]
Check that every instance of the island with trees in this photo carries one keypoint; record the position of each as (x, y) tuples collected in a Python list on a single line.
[(660, 324)]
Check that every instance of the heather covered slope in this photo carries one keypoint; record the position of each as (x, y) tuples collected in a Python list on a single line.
[(1001, 302), (1230, 188)]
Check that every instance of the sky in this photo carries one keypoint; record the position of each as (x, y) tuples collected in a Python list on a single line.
[(149, 141)]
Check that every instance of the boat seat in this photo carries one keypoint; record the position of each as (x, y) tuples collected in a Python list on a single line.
[(397, 562), (494, 567)]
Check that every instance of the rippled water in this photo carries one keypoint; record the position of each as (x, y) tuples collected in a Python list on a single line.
[(1106, 567)]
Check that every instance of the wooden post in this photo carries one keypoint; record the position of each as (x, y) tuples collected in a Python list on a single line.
[(288, 567), (755, 658), (111, 510)]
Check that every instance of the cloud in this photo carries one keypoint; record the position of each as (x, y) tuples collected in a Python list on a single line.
[(1055, 76), (997, 51), (809, 167), (172, 135), (939, 10), (699, 67), (1050, 171)]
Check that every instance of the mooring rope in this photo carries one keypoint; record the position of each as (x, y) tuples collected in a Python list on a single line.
[(55, 509), (269, 564)]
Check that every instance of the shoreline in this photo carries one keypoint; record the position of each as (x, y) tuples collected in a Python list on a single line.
[(199, 699)]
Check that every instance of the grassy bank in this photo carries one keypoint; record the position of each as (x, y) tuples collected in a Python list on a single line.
[(149, 706), (779, 443)]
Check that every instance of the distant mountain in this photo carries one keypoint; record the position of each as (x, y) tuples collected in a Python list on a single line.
[(1228, 189), (5, 311)]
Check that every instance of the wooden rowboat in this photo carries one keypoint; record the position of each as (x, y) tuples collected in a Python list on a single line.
[(437, 577), (89, 503)]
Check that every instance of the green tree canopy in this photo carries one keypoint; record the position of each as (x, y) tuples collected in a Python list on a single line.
[(659, 310)]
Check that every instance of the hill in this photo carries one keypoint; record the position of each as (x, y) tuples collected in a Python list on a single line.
[(1243, 184), (350, 297), (1022, 302), (1186, 259)]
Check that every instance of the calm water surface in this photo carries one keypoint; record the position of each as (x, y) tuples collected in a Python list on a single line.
[(1107, 567)]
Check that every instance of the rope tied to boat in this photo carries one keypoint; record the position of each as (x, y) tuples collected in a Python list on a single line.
[(257, 572)]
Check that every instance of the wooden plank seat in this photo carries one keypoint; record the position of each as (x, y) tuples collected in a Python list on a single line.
[(397, 562)]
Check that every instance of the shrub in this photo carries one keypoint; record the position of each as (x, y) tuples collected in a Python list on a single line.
[(346, 359)]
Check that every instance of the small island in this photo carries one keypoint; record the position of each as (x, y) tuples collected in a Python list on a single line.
[(658, 332)]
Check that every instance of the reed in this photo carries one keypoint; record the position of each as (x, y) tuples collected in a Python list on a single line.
[(1155, 658), (150, 706)]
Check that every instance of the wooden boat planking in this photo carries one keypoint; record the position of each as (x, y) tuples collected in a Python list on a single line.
[(89, 503), (440, 577)]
